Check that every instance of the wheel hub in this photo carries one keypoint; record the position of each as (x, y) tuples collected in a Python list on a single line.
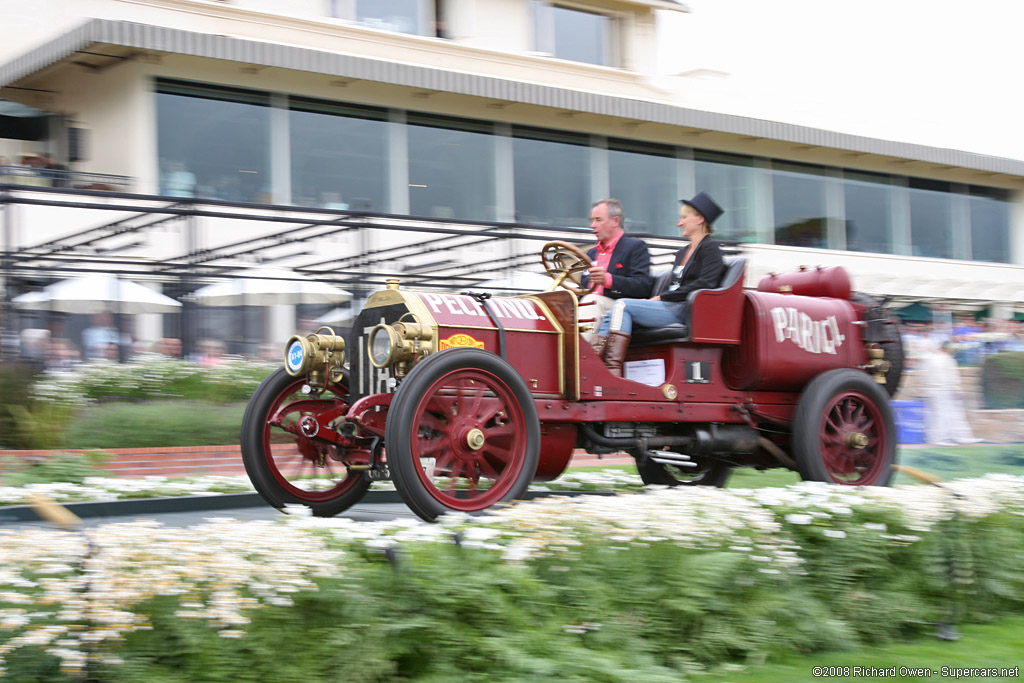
[(475, 439), (309, 426), (857, 440)]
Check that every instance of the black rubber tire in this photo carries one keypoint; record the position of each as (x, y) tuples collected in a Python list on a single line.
[(836, 406), (707, 473), (407, 432), (262, 467)]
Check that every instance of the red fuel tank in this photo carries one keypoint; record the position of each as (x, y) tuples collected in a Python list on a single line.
[(788, 340), (832, 282)]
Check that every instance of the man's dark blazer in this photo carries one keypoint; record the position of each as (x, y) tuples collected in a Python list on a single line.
[(703, 271), (630, 267)]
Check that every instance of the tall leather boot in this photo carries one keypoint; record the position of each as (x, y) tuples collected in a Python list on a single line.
[(615, 352), (598, 341)]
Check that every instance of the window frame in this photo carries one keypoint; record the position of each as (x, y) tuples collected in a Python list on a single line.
[(542, 22)]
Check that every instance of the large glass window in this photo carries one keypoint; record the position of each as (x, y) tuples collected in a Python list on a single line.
[(213, 142), (990, 225), (402, 16), (573, 34), (868, 198), (451, 168), (931, 218), (339, 155), (729, 180), (643, 178), (798, 196), (552, 177)]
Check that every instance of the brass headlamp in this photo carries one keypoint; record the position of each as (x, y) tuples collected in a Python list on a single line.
[(398, 344), (316, 355)]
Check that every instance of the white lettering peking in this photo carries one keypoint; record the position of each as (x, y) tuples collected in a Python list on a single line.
[(813, 336), (459, 304)]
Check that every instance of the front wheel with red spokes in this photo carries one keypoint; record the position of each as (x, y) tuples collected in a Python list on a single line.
[(843, 430), (462, 434), (288, 466)]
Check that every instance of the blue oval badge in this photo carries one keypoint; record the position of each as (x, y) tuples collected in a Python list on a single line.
[(295, 356)]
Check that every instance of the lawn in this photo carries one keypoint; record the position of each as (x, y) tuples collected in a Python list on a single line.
[(961, 462), (998, 645)]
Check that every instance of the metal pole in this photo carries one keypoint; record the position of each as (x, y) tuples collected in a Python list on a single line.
[(7, 331)]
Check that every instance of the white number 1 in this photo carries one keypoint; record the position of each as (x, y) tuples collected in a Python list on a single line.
[(696, 372)]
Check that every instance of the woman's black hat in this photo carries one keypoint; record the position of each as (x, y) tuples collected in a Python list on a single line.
[(705, 206)]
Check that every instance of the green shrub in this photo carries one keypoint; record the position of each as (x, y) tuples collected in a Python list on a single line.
[(69, 468), (15, 393), (156, 424), (1002, 378)]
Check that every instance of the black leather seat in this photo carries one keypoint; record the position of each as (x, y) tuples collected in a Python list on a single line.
[(680, 332)]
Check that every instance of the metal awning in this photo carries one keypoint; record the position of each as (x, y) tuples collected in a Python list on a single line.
[(135, 36)]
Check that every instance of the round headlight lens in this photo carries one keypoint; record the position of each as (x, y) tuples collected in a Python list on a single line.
[(295, 356), (383, 340)]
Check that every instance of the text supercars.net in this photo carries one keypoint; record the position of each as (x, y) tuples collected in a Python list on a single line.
[(953, 672)]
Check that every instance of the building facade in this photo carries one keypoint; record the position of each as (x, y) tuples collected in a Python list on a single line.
[(490, 111)]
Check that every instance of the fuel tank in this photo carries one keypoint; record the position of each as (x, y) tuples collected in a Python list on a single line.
[(833, 282), (788, 340)]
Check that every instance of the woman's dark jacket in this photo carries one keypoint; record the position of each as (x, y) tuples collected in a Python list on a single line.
[(703, 271)]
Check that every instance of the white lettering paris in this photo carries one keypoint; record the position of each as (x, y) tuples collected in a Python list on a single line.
[(813, 336)]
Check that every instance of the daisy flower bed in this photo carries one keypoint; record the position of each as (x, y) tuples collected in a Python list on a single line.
[(655, 585), (100, 488)]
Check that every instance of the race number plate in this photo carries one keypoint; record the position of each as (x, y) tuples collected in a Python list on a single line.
[(698, 372)]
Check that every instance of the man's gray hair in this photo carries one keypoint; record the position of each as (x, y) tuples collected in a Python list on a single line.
[(614, 208)]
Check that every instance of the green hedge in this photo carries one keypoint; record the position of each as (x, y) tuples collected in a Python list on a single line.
[(59, 409), (156, 424), (1002, 378)]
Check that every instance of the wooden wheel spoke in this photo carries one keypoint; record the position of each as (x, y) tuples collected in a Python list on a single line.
[(488, 470), (432, 448)]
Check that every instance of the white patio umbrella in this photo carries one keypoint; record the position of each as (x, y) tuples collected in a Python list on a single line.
[(268, 287), (98, 293)]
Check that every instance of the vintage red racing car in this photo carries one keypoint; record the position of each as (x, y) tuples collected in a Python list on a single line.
[(462, 400)]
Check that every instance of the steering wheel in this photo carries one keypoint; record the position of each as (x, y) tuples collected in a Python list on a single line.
[(566, 263)]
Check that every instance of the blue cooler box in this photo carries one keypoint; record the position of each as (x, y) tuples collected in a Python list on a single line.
[(910, 419)]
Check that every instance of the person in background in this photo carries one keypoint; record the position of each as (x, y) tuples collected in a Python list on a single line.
[(97, 339), (622, 264), (945, 419), (211, 352), (170, 347)]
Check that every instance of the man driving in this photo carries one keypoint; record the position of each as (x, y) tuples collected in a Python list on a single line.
[(622, 264)]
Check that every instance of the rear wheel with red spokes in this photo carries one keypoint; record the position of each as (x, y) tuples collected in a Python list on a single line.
[(462, 434), (843, 431), (284, 460)]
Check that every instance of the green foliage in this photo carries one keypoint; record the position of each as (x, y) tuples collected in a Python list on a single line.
[(71, 468), (15, 393), (156, 424), (1002, 379), (592, 601), (40, 425)]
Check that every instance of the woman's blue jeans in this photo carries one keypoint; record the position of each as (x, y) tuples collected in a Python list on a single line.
[(640, 312)]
